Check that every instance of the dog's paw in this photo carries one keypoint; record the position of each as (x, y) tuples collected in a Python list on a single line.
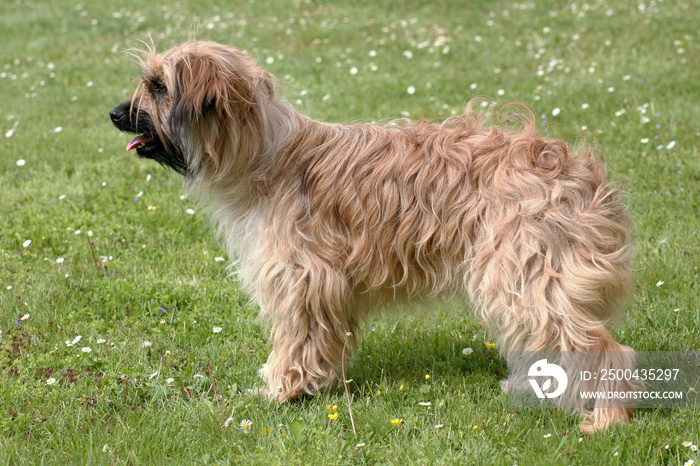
[(587, 428), (605, 418)]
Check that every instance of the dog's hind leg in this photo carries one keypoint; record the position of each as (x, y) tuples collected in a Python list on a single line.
[(554, 282), (312, 329)]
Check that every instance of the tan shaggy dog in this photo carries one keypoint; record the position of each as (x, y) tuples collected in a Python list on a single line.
[(328, 221)]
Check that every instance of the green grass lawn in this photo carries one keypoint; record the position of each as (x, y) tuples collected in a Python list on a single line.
[(99, 245)]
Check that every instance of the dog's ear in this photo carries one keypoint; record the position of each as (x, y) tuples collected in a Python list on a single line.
[(220, 97), (203, 85), (197, 87)]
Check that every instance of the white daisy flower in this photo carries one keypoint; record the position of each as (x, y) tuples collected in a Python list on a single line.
[(246, 424)]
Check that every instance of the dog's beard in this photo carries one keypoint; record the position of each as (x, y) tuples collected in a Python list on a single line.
[(149, 143)]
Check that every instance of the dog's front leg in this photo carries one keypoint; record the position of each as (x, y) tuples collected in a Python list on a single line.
[(312, 328)]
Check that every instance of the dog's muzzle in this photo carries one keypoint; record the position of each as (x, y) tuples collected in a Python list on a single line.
[(147, 142)]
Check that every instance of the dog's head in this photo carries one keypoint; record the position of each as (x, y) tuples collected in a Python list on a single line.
[(199, 106)]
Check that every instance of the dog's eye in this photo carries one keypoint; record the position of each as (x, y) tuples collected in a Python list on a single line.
[(159, 87)]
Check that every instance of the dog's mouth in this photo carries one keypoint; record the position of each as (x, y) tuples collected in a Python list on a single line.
[(150, 146), (146, 144), (147, 140)]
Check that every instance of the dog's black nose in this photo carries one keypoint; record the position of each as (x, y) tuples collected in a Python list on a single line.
[(117, 114)]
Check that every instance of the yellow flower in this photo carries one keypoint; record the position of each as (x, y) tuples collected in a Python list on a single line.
[(401, 387), (476, 427), (397, 422), (427, 376), (333, 416), (490, 345), (379, 392), (332, 409), (266, 430)]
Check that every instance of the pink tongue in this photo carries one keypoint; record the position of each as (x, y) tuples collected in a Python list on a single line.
[(138, 140)]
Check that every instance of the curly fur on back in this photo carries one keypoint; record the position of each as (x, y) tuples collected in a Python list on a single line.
[(326, 221)]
